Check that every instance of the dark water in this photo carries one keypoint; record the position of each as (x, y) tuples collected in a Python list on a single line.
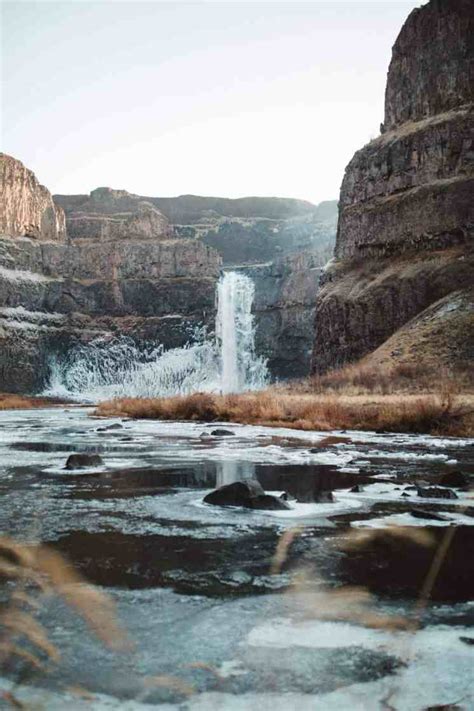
[(199, 589)]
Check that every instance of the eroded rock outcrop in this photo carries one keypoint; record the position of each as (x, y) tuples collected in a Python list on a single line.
[(27, 208), (406, 211)]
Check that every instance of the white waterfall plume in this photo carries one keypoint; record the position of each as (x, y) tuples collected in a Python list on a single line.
[(241, 368), (228, 363)]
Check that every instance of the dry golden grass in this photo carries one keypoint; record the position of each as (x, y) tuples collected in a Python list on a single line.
[(35, 572), (435, 414), (10, 401), (408, 378)]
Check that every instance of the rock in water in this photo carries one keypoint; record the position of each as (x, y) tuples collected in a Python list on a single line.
[(456, 479), (436, 492), (416, 513), (248, 493), (222, 433), (83, 461)]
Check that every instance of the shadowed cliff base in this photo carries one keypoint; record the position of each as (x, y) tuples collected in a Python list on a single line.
[(342, 401)]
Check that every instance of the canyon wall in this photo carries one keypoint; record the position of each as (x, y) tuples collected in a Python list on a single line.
[(281, 243), (112, 263), (404, 260), (120, 274), (27, 208), (250, 230), (284, 305)]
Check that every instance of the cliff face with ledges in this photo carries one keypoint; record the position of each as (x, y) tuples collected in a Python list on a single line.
[(406, 211), (281, 243), (284, 305), (243, 230), (120, 274), (27, 208)]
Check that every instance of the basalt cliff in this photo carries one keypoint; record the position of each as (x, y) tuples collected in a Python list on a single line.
[(401, 285), (78, 268), (280, 243), (126, 275)]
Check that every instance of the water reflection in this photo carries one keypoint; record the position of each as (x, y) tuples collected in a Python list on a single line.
[(229, 471)]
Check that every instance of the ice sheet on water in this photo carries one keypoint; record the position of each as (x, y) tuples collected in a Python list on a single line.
[(406, 519)]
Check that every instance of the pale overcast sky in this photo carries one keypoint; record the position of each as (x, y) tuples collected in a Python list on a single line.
[(209, 98)]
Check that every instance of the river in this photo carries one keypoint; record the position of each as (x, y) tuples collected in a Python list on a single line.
[(198, 588)]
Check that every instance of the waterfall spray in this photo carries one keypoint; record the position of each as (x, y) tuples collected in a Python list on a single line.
[(106, 369)]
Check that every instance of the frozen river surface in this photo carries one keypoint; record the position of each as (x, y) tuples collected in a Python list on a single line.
[(237, 609)]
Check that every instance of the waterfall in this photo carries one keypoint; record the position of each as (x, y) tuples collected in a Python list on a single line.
[(241, 369), (105, 369)]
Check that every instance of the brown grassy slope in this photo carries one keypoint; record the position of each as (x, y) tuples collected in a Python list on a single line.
[(440, 336), (433, 414)]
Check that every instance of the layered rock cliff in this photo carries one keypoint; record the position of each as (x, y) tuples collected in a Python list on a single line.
[(243, 231), (280, 243), (126, 268), (406, 212), (284, 306), (120, 274), (27, 208)]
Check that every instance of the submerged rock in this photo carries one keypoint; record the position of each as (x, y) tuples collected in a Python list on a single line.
[(455, 478), (436, 492), (222, 433), (83, 461), (248, 494), (428, 515)]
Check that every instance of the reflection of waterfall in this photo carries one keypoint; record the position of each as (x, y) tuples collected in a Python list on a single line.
[(228, 471), (119, 368)]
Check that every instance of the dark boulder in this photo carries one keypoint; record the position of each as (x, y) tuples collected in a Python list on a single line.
[(356, 489), (323, 497), (454, 478), (416, 513), (83, 461), (248, 494), (115, 426), (222, 433), (436, 492), (237, 494)]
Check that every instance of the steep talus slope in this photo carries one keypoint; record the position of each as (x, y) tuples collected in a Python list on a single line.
[(122, 276), (406, 210)]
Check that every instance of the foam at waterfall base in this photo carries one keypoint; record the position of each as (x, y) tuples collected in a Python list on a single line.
[(104, 369)]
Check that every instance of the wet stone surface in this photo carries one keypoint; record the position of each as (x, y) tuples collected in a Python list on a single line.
[(227, 599)]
